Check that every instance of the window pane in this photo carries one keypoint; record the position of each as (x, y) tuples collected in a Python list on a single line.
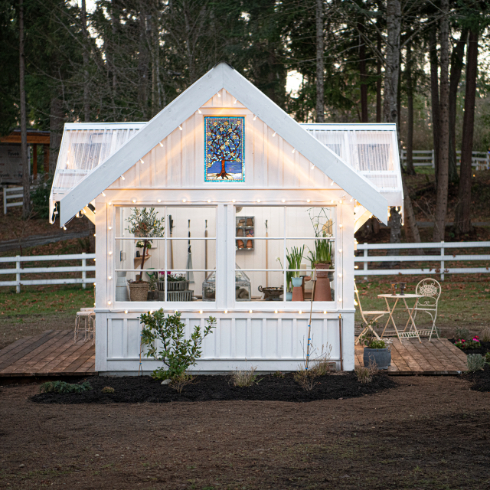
[(190, 219), (260, 285), (260, 221), (310, 221)]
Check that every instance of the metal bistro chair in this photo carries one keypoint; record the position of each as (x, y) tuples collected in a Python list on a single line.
[(85, 321), (430, 290), (364, 314)]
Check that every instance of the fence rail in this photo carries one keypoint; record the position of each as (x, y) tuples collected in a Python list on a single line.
[(11, 196), (19, 271), (426, 158), (430, 264)]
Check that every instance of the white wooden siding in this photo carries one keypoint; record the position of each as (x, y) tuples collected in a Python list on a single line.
[(269, 160)]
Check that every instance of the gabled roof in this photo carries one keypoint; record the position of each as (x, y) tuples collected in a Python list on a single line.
[(166, 121)]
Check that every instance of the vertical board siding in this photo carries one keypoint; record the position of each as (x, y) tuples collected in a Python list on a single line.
[(269, 160), (240, 338)]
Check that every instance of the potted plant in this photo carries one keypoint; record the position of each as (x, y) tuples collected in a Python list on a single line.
[(293, 278), (143, 223), (375, 351)]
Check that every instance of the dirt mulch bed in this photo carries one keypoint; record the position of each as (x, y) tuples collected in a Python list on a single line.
[(211, 388), (480, 379)]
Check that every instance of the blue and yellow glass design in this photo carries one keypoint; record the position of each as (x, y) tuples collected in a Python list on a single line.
[(224, 149)]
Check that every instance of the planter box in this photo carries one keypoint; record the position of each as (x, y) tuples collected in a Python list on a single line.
[(173, 285), (380, 357)]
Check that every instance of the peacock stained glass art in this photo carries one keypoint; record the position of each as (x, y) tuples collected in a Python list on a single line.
[(224, 149)]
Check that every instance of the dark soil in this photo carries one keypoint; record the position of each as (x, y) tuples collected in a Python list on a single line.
[(480, 379), (430, 433), (485, 347), (133, 389)]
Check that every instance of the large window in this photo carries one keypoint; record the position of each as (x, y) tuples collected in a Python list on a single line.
[(278, 249), (179, 256)]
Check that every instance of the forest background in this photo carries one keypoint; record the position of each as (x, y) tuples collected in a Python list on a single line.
[(421, 64)]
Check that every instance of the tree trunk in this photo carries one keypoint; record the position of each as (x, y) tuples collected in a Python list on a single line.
[(454, 78), (443, 170), (143, 259), (56, 119), (434, 96), (26, 203), (378, 81), (409, 163), (463, 209), (320, 111), (85, 58), (143, 63), (363, 75)]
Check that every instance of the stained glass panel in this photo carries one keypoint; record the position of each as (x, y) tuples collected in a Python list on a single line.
[(224, 149)]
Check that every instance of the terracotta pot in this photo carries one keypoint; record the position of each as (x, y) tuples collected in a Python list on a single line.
[(239, 243), (298, 289), (239, 232), (322, 287), (249, 244), (250, 222)]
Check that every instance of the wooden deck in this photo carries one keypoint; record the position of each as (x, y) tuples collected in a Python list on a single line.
[(52, 353), (437, 357)]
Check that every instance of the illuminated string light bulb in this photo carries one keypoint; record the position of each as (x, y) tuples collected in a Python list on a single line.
[(161, 144), (126, 311), (159, 200), (255, 117), (313, 167), (356, 267), (134, 200), (109, 303), (209, 200), (233, 200), (110, 253), (184, 200), (340, 201), (64, 228), (294, 150), (109, 277), (308, 200), (258, 200), (340, 300), (341, 225), (226, 311), (199, 110), (324, 312), (283, 200), (103, 194), (141, 160), (250, 311), (110, 227), (274, 134), (234, 102), (340, 250), (300, 312), (219, 95), (356, 303), (275, 311), (200, 311), (110, 203), (340, 275), (122, 177), (180, 127), (351, 199)]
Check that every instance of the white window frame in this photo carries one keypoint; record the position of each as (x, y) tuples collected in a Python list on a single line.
[(284, 305), (166, 305)]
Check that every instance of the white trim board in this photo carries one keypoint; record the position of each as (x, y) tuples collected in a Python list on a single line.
[(184, 106)]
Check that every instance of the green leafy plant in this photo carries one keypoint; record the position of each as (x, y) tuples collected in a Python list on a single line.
[(475, 362), (176, 352), (181, 381), (306, 378), (294, 257), (108, 390), (468, 344), (145, 223), (245, 378), (278, 374), (175, 277), (64, 388), (322, 254), (370, 341)]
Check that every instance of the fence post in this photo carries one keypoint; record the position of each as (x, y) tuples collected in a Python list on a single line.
[(365, 263), (433, 159), (84, 273), (442, 261), (17, 275)]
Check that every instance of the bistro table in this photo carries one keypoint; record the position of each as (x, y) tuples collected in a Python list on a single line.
[(412, 331)]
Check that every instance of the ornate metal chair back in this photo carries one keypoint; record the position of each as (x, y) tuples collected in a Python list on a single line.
[(430, 289)]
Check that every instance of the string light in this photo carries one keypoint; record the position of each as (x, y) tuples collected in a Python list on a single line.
[(184, 200), (324, 312), (312, 167), (226, 311), (341, 225), (258, 200), (356, 267), (300, 312), (122, 177), (234, 101), (109, 303), (219, 95), (340, 250), (141, 160), (308, 200), (275, 311), (199, 110), (200, 311), (103, 194), (180, 127), (161, 144), (110, 227), (134, 200), (126, 311), (283, 200), (294, 150), (274, 134), (255, 117), (109, 277), (110, 253), (159, 200), (110, 203), (250, 311), (340, 275), (209, 200), (64, 228)]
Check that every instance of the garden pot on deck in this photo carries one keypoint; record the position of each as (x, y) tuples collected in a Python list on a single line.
[(380, 357)]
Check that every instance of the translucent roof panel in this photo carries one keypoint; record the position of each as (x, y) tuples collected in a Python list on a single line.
[(84, 147), (370, 149)]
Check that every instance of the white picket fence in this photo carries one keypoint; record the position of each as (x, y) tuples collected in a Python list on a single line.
[(435, 264), (19, 271), (426, 158), (11, 196)]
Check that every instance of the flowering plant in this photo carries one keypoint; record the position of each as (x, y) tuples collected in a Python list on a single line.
[(468, 344)]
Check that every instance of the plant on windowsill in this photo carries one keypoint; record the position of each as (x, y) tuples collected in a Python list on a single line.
[(376, 350), (293, 278), (143, 223), (167, 333)]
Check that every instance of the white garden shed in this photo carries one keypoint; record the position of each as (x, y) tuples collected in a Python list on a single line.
[(238, 184)]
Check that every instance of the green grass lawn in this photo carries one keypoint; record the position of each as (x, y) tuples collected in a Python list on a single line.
[(37, 309), (464, 301)]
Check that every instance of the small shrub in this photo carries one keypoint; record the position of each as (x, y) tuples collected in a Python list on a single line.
[(64, 388), (462, 333), (180, 382), (176, 352), (468, 344), (306, 378), (485, 335), (108, 389), (321, 366), (370, 341), (365, 374), (278, 374), (475, 362), (245, 378)]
